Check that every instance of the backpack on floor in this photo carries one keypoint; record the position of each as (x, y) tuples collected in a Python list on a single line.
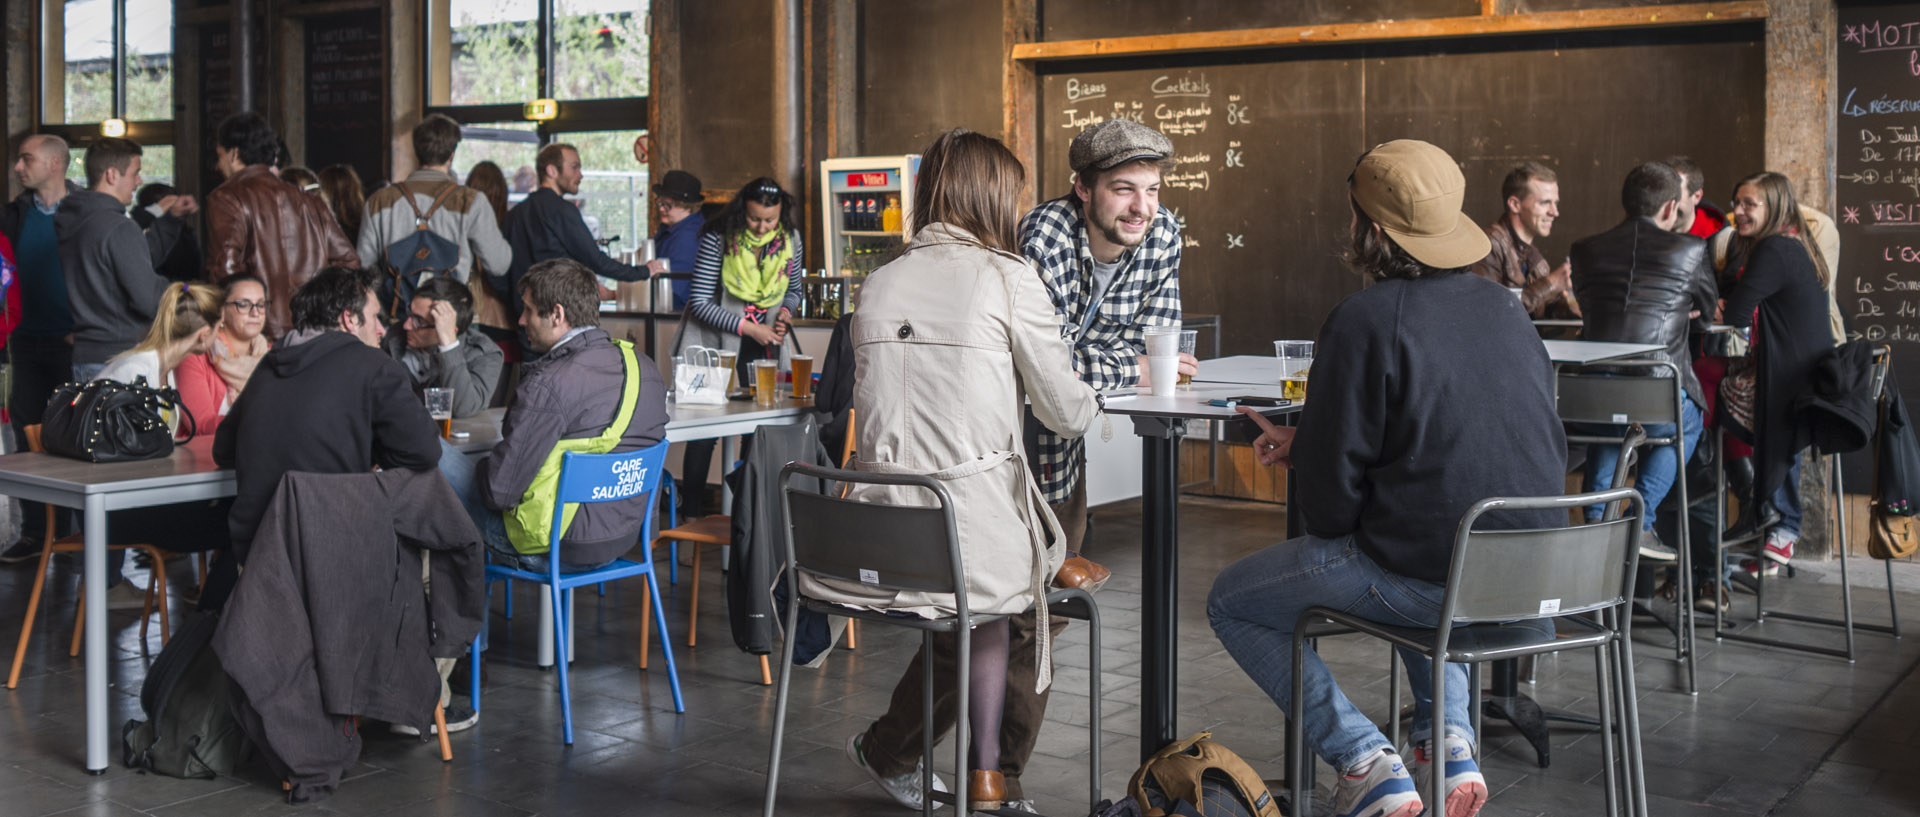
[(190, 730), (1205, 778)]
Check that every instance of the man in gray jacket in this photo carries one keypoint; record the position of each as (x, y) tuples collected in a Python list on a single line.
[(465, 217), (441, 349), (111, 286)]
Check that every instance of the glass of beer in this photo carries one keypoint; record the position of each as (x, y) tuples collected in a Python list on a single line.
[(1296, 358), (1189, 341), (802, 377), (766, 378), (440, 408), (727, 360)]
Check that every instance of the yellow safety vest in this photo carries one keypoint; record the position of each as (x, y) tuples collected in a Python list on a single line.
[(530, 523)]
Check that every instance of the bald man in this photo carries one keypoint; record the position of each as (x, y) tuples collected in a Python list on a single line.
[(41, 347)]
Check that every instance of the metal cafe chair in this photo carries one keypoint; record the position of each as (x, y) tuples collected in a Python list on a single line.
[(588, 478), (1619, 399), (898, 547), (1882, 361), (1500, 577)]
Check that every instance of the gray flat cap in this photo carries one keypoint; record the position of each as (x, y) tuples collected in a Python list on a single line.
[(1115, 142)]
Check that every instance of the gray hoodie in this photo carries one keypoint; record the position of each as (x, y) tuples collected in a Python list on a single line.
[(111, 286)]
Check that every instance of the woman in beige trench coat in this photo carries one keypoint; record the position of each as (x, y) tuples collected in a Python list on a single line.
[(950, 340)]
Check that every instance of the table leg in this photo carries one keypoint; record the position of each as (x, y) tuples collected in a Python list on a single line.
[(95, 560), (1160, 480), (729, 450)]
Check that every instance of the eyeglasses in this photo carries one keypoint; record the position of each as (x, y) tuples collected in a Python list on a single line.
[(250, 307), (419, 321)]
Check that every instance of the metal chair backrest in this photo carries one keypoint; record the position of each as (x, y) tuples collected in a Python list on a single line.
[(884, 546), (1510, 575), (590, 478), (1617, 399)]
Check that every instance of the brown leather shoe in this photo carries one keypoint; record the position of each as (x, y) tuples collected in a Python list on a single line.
[(986, 791), (1081, 573)]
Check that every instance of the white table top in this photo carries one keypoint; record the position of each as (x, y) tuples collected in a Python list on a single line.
[(1192, 404), (1593, 351), (1265, 370), (685, 422)]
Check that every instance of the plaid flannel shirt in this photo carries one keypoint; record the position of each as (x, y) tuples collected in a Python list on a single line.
[(1145, 292)]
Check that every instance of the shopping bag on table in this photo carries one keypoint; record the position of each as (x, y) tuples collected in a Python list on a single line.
[(700, 379)]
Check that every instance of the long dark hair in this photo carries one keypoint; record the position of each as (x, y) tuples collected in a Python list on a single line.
[(732, 221), (1374, 255), (973, 182), (1783, 218)]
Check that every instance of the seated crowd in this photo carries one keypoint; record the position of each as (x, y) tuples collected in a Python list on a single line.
[(310, 351)]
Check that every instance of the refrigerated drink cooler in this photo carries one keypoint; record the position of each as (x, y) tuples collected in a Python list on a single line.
[(864, 201)]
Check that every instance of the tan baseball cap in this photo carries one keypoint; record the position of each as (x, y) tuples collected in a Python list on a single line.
[(1414, 190)]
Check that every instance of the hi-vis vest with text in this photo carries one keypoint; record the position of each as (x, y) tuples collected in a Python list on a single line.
[(530, 523)]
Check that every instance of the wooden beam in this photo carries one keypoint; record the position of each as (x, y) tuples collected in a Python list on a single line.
[(1489, 7), (1019, 88), (1385, 30), (330, 7)]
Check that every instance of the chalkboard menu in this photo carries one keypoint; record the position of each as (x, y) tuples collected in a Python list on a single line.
[(346, 93), (1877, 185)]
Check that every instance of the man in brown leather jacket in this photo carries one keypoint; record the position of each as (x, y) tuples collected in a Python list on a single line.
[(258, 224), (1531, 193)]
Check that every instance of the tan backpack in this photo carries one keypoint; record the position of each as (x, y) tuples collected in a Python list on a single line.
[(1200, 771)]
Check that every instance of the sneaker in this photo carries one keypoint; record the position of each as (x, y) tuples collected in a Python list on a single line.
[(1022, 806), (460, 718), (1754, 567), (1383, 790), (904, 788), (126, 596), (1711, 597), (1466, 787), (1779, 546), (1652, 549), (21, 551)]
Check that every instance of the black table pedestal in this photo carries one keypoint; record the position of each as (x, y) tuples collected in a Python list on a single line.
[(1159, 572), (1506, 702)]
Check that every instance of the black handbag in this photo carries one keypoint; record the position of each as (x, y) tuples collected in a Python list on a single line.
[(110, 421)]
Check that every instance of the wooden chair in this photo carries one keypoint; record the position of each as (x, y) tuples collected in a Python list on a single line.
[(75, 543)]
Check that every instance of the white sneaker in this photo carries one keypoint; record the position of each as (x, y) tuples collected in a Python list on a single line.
[(126, 596), (1383, 790), (905, 788), (1466, 787)]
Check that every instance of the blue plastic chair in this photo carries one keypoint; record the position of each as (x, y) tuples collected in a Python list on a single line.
[(585, 479)]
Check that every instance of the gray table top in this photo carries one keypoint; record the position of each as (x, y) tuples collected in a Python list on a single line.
[(190, 463), (1192, 404)]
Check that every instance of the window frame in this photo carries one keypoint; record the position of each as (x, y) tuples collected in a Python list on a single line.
[(575, 115), (147, 132)]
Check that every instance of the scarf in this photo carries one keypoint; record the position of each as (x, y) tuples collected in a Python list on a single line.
[(755, 270)]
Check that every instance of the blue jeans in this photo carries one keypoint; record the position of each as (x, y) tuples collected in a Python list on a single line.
[(1657, 471), (459, 470), (1786, 500), (86, 372), (1256, 602)]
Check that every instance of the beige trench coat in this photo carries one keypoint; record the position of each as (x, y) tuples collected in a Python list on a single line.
[(950, 340)]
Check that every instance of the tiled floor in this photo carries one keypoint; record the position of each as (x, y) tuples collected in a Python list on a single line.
[(1771, 731)]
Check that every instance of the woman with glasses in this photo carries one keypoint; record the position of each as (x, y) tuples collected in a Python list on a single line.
[(746, 286), (211, 382)]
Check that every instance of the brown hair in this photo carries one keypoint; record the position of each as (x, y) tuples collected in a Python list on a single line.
[(1689, 171), (486, 178), (566, 283), (340, 186), (109, 153), (1374, 255), (184, 309), (971, 181), (304, 179), (435, 139), (1515, 185), (552, 156), (1783, 218)]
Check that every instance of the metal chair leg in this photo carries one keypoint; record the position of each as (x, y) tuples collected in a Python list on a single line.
[(1603, 674), (780, 706)]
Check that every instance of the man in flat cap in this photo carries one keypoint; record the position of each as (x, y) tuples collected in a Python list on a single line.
[(1390, 453)]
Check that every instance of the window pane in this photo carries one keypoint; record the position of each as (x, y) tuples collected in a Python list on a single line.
[(156, 165), (613, 192), (509, 145), (89, 60), (493, 54), (149, 59), (600, 49)]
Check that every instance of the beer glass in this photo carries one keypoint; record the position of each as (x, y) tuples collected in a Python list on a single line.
[(440, 408), (802, 376), (766, 378), (728, 359), (1189, 341), (1296, 357)]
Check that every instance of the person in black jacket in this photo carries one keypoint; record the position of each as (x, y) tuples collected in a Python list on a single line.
[(325, 400), (181, 260), (1640, 282), (1393, 448), (544, 226), (1781, 294)]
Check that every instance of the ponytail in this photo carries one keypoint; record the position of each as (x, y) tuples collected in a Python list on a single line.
[(185, 308)]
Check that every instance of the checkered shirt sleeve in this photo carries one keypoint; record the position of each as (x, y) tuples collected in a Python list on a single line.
[(1145, 293)]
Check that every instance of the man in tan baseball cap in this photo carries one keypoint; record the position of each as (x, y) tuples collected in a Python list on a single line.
[(1396, 442)]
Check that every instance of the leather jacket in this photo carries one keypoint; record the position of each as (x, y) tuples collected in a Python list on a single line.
[(1513, 263), (258, 224), (1637, 283)]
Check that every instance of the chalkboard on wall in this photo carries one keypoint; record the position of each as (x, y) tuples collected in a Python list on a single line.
[(346, 93), (1266, 140), (1877, 184)]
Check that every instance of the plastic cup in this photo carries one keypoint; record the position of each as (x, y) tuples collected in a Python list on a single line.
[(802, 376), (766, 378), (1296, 358), (1189, 341), (1165, 374), (1162, 341), (440, 408), (728, 359)]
